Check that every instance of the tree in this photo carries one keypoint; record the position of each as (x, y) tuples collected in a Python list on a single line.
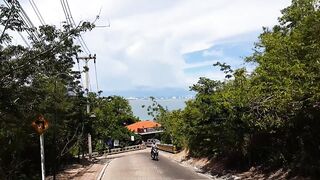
[(113, 113), (34, 80), (271, 116), (285, 79)]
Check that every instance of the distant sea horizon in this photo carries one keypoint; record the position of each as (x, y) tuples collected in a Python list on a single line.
[(142, 113)]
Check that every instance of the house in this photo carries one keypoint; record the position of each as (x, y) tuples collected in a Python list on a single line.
[(144, 126)]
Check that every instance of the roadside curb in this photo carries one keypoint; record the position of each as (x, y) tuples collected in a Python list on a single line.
[(189, 166), (102, 171)]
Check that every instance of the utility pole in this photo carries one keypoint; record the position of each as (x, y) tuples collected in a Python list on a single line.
[(86, 70)]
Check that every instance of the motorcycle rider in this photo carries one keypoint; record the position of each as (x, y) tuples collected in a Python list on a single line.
[(153, 147)]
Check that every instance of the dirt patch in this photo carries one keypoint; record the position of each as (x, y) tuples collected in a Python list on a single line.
[(86, 170)]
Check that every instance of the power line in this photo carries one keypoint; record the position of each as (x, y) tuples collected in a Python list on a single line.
[(71, 22), (7, 23), (71, 18), (85, 45), (24, 40), (36, 10), (31, 30), (31, 25), (66, 13)]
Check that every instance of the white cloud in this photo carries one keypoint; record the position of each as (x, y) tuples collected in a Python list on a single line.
[(200, 64), (212, 52), (146, 40)]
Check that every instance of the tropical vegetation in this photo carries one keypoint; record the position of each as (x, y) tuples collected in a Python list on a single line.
[(266, 117), (39, 79)]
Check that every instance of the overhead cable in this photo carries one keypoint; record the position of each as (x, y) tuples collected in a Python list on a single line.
[(31, 30), (71, 22), (36, 10), (82, 42), (24, 40)]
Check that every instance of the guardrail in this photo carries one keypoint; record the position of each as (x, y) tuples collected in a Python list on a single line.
[(117, 150), (125, 149), (121, 150), (167, 147)]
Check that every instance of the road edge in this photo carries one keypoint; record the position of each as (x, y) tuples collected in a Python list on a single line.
[(186, 165), (102, 171)]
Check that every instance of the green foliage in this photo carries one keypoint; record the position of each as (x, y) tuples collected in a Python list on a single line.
[(113, 113), (155, 109), (270, 116), (34, 80)]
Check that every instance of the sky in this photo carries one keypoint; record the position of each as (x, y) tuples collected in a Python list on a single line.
[(162, 47)]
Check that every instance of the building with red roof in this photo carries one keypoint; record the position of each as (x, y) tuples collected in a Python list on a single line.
[(144, 126)]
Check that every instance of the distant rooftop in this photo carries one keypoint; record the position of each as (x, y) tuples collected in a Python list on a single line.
[(143, 125)]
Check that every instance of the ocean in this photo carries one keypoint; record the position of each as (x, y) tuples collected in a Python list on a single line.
[(142, 113)]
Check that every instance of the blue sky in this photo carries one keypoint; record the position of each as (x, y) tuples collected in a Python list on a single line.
[(231, 51), (162, 47)]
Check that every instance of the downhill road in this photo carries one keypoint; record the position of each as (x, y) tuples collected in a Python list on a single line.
[(139, 166)]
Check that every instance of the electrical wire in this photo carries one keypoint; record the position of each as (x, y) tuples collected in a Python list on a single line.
[(24, 40), (7, 23), (36, 10), (31, 30), (71, 22), (31, 25), (71, 18), (85, 45), (24, 19), (66, 13)]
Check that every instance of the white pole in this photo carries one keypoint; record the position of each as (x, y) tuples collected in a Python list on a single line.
[(42, 157), (88, 108), (89, 145), (87, 79)]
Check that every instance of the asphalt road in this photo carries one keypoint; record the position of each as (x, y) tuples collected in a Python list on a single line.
[(139, 165)]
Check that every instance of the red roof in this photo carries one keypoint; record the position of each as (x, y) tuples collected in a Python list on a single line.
[(142, 124)]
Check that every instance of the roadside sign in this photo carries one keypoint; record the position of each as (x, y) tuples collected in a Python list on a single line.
[(40, 125), (116, 142), (132, 138)]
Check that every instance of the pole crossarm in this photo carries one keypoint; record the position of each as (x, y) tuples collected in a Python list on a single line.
[(87, 57)]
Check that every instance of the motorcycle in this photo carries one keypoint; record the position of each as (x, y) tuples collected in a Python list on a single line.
[(154, 154)]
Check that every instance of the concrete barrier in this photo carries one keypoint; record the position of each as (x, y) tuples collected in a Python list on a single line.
[(117, 150), (167, 147), (124, 149)]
